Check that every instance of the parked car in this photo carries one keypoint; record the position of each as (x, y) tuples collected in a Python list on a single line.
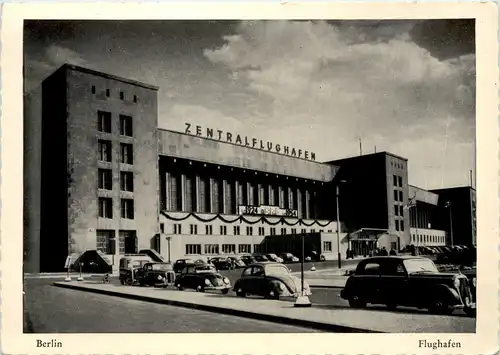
[(130, 266), (314, 256), (237, 261), (202, 278), (274, 258), (222, 263), (156, 274), (180, 264), (289, 258), (270, 280), (408, 281), (260, 258), (248, 259)]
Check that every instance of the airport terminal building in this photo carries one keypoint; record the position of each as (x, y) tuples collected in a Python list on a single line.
[(106, 178)]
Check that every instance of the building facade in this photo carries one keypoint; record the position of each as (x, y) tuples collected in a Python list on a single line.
[(99, 165), (104, 178), (457, 209), (426, 206)]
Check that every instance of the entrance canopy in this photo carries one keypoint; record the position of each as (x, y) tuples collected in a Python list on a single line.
[(367, 234)]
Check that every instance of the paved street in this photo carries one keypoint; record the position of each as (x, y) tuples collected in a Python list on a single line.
[(51, 309)]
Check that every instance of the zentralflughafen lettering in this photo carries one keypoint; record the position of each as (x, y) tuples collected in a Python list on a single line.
[(248, 142)]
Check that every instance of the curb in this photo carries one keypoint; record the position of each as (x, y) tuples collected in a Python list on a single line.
[(239, 313), (326, 286)]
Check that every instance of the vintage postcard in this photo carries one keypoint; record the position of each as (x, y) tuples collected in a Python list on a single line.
[(250, 178)]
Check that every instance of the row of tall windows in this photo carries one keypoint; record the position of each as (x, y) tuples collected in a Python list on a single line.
[(183, 193)]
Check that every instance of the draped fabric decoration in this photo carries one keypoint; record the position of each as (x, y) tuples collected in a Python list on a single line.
[(241, 219)]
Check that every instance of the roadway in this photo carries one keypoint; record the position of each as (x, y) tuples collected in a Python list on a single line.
[(50, 309)]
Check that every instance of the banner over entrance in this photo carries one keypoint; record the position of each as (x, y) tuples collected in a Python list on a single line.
[(267, 211)]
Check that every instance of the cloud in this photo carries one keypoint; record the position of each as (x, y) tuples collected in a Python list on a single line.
[(38, 67), (332, 85)]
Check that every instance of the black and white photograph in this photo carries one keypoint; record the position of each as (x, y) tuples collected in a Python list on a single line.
[(283, 175)]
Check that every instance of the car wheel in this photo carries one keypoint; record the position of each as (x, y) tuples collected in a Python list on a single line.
[(440, 308), (179, 287), (224, 291), (200, 288), (240, 293), (356, 302), (471, 312), (274, 295)]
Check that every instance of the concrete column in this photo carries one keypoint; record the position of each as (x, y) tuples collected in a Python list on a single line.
[(224, 206), (271, 194), (168, 202), (236, 195), (197, 199), (183, 192), (299, 203), (211, 191), (308, 204)]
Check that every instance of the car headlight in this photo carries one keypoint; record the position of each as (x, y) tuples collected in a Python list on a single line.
[(282, 287), (207, 282), (474, 281), (159, 277), (226, 280), (456, 282)]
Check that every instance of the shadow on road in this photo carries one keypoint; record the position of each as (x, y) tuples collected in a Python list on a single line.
[(384, 309)]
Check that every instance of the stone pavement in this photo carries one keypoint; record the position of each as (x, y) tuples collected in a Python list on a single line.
[(327, 278), (318, 317)]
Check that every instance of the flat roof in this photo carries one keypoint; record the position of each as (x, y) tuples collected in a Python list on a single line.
[(240, 145), (367, 155), (108, 76)]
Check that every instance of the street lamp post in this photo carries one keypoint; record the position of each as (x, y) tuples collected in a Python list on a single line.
[(339, 256), (302, 300), (338, 229), (451, 223)]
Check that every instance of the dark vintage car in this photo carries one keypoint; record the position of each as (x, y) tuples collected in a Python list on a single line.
[(238, 262), (289, 258), (202, 278), (222, 263), (270, 280), (180, 264), (260, 258), (248, 259), (130, 266), (410, 281), (315, 256), (156, 274), (273, 257)]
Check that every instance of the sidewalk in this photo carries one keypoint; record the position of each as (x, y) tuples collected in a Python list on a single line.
[(327, 318), (326, 278)]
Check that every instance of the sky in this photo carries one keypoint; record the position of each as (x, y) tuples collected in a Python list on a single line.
[(406, 87)]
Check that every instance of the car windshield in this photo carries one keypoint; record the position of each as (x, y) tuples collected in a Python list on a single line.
[(277, 270), (206, 268), (419, 265), (161, 266)]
